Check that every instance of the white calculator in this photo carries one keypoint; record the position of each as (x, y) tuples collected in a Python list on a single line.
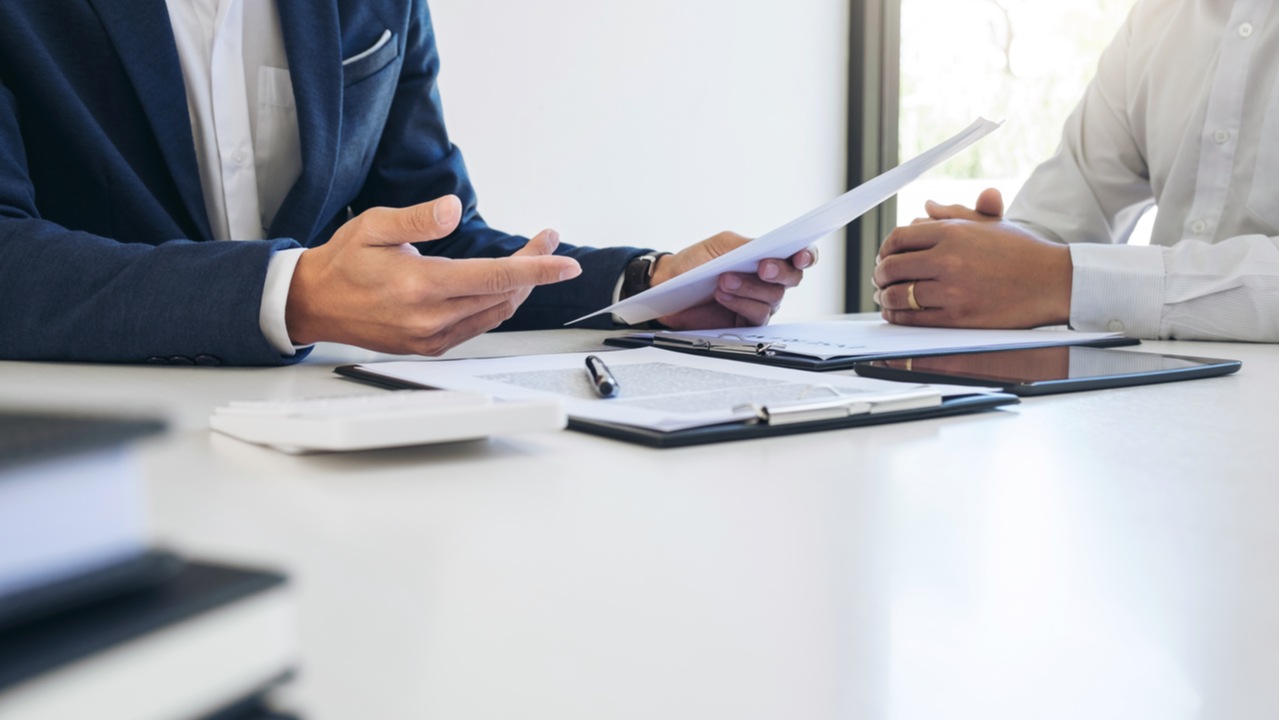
[(384, 420)]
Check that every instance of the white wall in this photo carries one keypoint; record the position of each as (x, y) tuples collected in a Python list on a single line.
[(652, 124)]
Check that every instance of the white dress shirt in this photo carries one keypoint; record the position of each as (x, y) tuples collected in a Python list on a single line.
[(249, 153), (1182, 113)]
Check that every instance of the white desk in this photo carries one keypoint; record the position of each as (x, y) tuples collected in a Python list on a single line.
[(1099, 555)]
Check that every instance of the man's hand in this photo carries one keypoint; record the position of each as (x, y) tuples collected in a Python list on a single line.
[(972, 269), (369, 287), (742, 299)]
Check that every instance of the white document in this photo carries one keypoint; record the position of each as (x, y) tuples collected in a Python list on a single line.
[(699, 284), (876, 338), (659, 389)]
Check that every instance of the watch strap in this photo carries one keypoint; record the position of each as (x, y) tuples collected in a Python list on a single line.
[(638, 275)]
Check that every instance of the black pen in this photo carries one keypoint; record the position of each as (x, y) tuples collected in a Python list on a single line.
[(601, 379)]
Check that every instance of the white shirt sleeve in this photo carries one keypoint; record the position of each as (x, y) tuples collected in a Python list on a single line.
[(275, 295), (1191, 291), (1093, 191)]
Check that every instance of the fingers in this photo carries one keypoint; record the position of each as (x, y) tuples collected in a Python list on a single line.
[(806, 258), (484, 276), (398, 226), (544, 243), (990, 206), (465, 329), (952, 212), (779, 272), (909, 238), (752, 288), (753, 312), (898, 297), (904, 267), (990, 203), (919, 318)]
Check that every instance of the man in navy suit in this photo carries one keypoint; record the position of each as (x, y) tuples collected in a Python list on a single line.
[(147, 215)]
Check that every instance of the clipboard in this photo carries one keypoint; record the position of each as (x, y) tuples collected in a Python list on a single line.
[(767, 354), (815, 417)]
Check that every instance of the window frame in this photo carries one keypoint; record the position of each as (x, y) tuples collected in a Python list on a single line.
[(875, 35)]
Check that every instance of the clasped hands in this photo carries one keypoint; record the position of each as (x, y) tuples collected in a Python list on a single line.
[(368, 286), (971, 268)]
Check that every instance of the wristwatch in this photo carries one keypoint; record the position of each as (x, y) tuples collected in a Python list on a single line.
[(639, 274)]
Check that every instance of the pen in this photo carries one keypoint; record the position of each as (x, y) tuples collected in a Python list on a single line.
[(601, 379)]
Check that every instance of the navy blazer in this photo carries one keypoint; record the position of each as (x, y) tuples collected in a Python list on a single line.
[(105, 248)]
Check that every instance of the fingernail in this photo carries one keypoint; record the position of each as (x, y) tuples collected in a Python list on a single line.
[(571, 272), (769, 271), (876, 297), (723, 297), (446, 209), (879, 260), (806, 258), (553, 237), (731, 282)]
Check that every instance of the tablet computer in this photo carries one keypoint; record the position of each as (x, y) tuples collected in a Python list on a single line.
[(1042, 371)]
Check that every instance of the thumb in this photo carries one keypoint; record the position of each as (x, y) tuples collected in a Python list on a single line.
[(417, 223), (991, 203)]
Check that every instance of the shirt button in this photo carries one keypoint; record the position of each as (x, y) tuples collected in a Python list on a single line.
[(1246, 30), (208, 360), (181, 360), (1115, 326), (1198, 227), (1221, 136), (238, 159)]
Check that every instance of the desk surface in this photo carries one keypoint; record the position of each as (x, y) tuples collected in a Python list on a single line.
[(1100, 555)]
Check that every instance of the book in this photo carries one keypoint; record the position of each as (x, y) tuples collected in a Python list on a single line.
[(72, 518), (197, 644)]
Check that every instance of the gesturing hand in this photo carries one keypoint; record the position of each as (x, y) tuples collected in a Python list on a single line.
[(741, 299), (369, 287), (970, 268)]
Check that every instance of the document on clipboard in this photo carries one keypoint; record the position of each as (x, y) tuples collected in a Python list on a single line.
[(668, 392), (699, 284)]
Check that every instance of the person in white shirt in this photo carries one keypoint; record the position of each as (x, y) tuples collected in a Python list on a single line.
[(1182, 112)]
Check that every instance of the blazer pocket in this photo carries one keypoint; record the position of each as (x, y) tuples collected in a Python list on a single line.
[(368, 63)]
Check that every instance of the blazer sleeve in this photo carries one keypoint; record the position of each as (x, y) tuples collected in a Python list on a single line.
[(415, 162), (68, 295)]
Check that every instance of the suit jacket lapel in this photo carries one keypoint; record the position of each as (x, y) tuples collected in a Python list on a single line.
[(314, 46), (143, 38)]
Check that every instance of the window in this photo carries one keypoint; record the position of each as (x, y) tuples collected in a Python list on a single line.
[(1026, 62), (922, 70)]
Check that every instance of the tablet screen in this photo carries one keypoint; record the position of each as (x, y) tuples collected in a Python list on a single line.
[(1012, 367)]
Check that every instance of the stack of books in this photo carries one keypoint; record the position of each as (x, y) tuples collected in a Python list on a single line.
[(94, 623)]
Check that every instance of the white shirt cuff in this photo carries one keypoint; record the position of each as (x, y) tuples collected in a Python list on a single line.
[(1117, 288), (617, 295), (275, 295)]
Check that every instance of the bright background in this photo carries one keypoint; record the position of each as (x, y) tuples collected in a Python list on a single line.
[(1026, 62), (652, 124), (658, 124)]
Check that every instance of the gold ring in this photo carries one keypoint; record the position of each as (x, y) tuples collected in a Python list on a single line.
[(911, 296)]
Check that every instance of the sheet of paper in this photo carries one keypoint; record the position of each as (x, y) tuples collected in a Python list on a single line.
[(659, 389), (856, 338), (699, 284)]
